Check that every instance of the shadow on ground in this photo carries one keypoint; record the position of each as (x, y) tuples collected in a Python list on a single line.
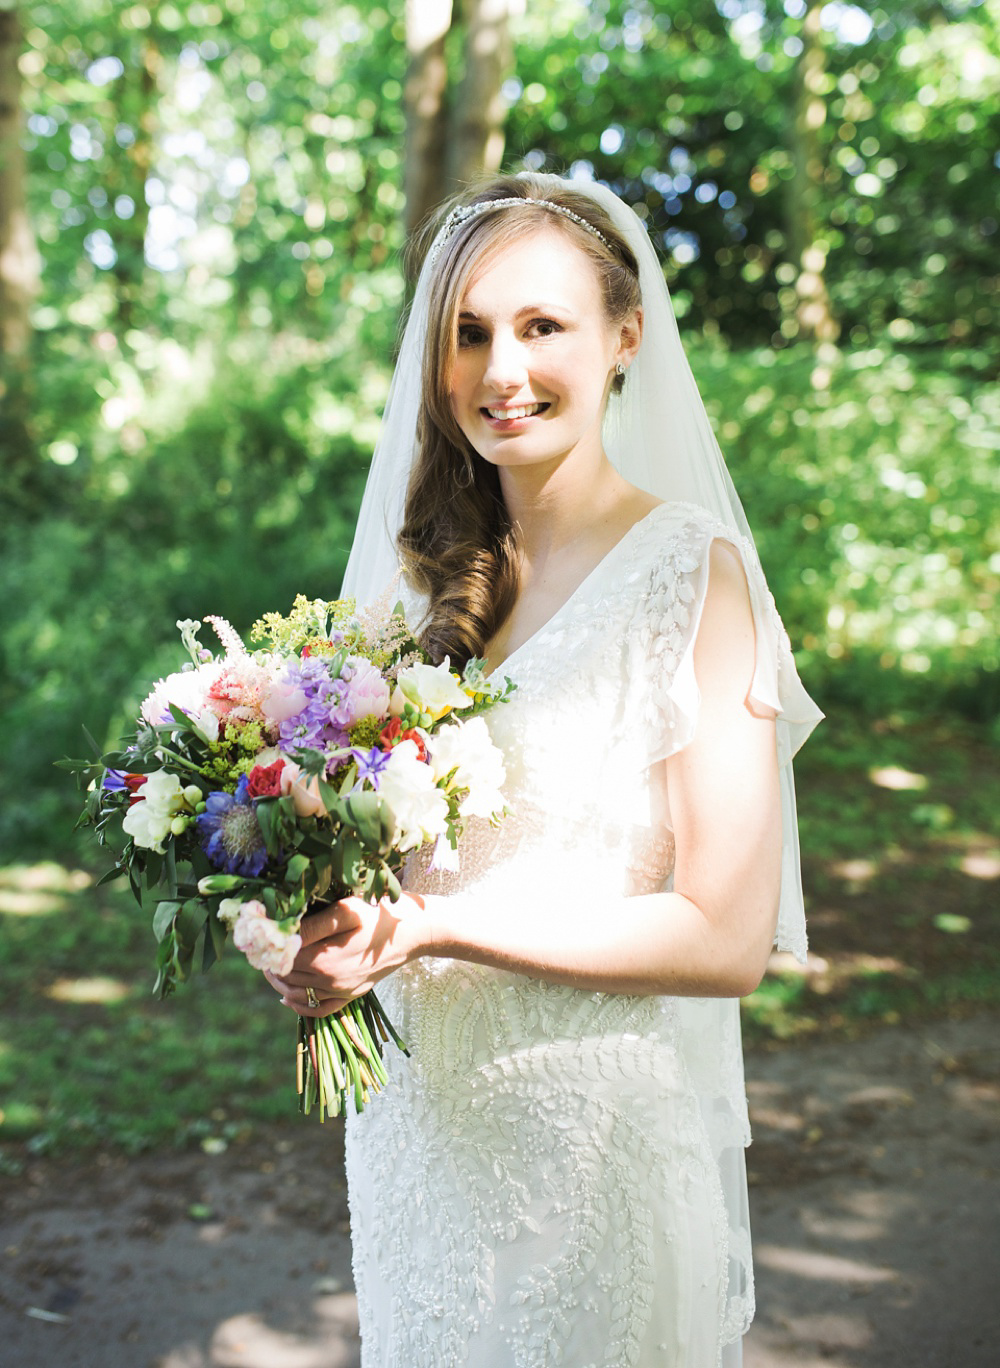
[(875, 1203)]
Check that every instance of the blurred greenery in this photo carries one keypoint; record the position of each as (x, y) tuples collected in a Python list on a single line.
[(216, 191)]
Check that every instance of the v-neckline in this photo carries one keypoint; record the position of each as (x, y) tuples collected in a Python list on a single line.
[(611, 552)]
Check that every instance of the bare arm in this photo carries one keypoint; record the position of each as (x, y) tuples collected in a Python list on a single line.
[(711, 936)]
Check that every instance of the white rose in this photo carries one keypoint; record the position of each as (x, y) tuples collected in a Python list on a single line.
[(262, 940), (148, 821), (468, 749), (433, 688), (419, 807)]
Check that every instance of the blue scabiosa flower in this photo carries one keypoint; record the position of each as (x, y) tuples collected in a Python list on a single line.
[(231, 835)]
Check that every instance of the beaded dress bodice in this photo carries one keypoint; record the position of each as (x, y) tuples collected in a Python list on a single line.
[(556, 1176)]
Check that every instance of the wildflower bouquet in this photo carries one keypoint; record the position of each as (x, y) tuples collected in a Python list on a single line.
[(260, 784)]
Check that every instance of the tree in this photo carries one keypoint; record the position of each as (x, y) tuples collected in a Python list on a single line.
[(19, 261), (453, 131), (808, 248)]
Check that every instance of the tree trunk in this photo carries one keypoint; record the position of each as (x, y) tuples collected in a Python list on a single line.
[(813, 312), (477, 123), (19, 261), (426, 105), (137, 109)]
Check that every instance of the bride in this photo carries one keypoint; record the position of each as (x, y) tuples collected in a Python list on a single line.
[(555, 1175)]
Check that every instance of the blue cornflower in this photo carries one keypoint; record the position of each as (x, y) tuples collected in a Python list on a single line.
[(231, 835)]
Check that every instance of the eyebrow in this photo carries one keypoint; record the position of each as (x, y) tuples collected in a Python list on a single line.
[(528, 309)]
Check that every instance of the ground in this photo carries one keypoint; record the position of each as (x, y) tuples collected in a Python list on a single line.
[(875, 1204)]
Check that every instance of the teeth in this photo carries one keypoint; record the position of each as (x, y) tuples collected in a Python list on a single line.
[(503, 413)]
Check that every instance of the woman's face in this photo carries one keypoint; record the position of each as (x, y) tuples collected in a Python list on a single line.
[(535, 354)]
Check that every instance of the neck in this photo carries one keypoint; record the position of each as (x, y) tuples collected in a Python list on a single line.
[(552, 506)]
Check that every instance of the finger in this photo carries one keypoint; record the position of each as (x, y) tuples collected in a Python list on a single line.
[(333, 920), (325, 1008)]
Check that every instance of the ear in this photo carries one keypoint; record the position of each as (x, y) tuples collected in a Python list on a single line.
[(629, 338)]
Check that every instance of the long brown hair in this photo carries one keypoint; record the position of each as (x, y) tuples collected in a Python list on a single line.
[(457, 541)]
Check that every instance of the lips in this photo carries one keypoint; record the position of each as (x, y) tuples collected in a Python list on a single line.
[(509, 414)]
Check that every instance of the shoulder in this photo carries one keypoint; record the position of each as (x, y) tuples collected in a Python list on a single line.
[(683, 539)]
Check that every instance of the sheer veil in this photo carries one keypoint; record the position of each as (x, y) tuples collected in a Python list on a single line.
[(658, 435)]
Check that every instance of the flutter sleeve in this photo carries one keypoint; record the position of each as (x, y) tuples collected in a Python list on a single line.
[(665, 689)]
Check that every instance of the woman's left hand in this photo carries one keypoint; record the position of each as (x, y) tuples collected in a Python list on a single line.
[(347, 947)]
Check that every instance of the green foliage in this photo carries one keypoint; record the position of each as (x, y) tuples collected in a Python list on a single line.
[(88, 1057), (685, 110), (869, 477)]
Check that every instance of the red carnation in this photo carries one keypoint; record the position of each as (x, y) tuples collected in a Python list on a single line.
[(134, 782), (264, 781)]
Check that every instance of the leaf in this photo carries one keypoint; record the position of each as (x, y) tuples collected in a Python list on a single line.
[(366, 813), (111, 875), (163, 918), (215, 942), (190, 920), (297, 867), (351, 870)]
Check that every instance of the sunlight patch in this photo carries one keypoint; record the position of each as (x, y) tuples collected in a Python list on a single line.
[(894, 777), (84, 990), (981, 864), (39, 889)]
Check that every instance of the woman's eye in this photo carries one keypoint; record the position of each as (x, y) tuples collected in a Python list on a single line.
[(545, 327), (469, 335)]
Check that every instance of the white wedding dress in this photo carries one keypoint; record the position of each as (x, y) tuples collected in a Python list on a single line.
[(556, 1176)]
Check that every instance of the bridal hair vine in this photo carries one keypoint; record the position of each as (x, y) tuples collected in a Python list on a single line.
[(464, 212)]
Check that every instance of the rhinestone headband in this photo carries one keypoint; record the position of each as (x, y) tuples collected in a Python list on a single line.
[(468, 211)]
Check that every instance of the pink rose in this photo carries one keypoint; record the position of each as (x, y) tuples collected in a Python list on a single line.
[(304, 790)]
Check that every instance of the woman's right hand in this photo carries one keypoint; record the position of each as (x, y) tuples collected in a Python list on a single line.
[(347, 948)]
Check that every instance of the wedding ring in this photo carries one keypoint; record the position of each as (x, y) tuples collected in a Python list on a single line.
[(311, 997)]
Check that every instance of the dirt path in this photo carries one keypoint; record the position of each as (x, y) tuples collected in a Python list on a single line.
[(876, 1207)]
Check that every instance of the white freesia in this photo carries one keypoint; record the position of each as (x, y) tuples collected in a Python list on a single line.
[(419, 807), (445, 857), (468, 749), (148, 821), (262, 940), (433, 688)]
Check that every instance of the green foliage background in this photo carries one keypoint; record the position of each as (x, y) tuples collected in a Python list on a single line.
[(200, 422)]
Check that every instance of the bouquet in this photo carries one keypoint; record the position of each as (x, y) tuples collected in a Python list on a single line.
[(262, 783)]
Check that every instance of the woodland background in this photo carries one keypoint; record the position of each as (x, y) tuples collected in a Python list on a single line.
[(203, 208)]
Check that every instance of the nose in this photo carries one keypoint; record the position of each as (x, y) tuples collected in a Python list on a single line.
[(506, 367)]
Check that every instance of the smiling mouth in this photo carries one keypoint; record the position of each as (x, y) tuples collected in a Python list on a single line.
[(522, 411)]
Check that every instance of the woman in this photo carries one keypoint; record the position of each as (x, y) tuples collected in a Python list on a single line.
[(556, 1175)]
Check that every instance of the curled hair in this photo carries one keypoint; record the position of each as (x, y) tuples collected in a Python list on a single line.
[(457, 540)]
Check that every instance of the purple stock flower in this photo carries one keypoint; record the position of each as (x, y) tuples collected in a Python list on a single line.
[(314, 727), (113, 781), (231, 835)]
